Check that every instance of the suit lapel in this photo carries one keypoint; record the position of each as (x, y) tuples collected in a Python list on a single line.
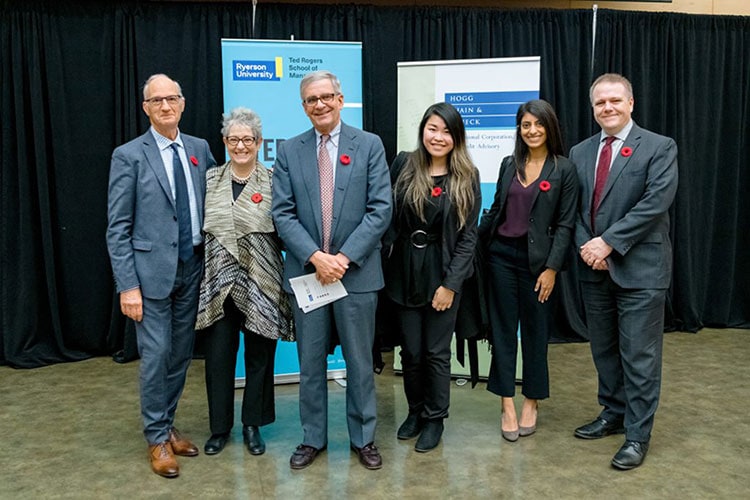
[(153, 156), (347, 146), (547, 169), (592, 152), (308, 161), (507, 174), (199, 185), (618, 165)]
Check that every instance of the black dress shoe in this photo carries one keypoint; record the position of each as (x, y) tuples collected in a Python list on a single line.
[(600, 428), (630, 455), (215, 443), (430, 437), (303, 456), (369, 456), (122, 357), (411, 427), (253, 440)]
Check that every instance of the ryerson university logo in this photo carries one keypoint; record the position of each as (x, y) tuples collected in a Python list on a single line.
[(258, 70)]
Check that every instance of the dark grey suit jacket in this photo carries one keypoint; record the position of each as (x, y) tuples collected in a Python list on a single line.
[(142, 231), (633, 215), (552, 216), (361, 206)]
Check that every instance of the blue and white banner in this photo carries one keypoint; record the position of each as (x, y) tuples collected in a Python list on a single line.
[(486, 92), (264, 75)]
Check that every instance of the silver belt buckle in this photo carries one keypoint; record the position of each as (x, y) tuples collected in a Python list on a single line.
[(418, 233)]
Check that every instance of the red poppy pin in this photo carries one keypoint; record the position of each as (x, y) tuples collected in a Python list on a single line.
[(345, 159), (436, 191), (544, 186), (626, 152), (256, 197), (194, 160)]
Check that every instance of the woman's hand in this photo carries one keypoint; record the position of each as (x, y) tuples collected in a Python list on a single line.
[(443, 298), (545, 283)]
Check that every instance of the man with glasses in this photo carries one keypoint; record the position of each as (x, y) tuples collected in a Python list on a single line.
[(331, 205), (155, 215)]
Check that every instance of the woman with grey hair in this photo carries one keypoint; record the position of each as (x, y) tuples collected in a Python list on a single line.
[(241, 287)]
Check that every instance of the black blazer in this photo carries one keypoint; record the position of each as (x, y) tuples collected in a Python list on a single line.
[(457, 245), (553, 213)]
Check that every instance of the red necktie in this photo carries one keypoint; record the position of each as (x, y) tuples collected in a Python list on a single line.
[(325, 171), (602, 172)]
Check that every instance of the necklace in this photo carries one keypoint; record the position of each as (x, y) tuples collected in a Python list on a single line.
[(241, 180)]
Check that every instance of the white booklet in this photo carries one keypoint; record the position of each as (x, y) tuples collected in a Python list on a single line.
[(312, 294)]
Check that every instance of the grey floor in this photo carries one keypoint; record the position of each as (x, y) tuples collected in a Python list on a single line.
[(73, 431)]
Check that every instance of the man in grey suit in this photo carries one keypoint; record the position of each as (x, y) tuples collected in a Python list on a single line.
[(155, 215), (331, 205), (628, 179)]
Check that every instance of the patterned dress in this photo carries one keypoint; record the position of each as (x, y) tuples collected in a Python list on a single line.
[(243, 256)]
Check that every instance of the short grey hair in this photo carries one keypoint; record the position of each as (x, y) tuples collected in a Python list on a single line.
[(154, 77), (244, 117), (317, 76), (611, 78)]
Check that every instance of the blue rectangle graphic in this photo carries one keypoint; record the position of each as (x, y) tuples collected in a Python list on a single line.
[(254, 71), (498, 121), (518, 97), (486, 110)]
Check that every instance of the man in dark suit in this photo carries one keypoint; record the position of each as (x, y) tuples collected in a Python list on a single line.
[(331, 205), (155, 214), (628, 179)]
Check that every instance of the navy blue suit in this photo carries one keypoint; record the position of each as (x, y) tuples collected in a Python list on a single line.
[(142, 238)]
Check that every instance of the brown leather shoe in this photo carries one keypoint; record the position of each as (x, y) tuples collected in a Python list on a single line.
[(369, 456), (180, 445), (303, 456), (162, 459)]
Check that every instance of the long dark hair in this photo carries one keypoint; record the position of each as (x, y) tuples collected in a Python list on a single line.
[(415, 183), (545, 113)]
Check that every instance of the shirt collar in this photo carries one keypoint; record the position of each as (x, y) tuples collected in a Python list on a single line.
[(165, 142), (334, 135), (621, 135)]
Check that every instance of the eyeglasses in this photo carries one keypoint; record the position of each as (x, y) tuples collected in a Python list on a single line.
[(172, 100), (247, 141), (313, 99)]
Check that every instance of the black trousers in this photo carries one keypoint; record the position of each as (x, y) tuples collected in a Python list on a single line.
[(513, 300), (221, 344), (426, 358)]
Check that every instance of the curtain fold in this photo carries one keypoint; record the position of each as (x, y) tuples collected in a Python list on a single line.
[(71, 92)]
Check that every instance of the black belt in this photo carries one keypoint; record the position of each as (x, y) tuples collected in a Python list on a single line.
[(420, 239)]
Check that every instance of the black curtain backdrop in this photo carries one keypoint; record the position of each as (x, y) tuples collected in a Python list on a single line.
[(70, 93)]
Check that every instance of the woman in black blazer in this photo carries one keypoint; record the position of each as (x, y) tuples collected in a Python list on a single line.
[(527, 233), (432, 238)]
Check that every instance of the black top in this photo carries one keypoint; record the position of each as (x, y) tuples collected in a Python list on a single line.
[(237, 189), (416, 271)]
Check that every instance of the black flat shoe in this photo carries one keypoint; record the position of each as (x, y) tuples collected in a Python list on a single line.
[(430, 437), (630, 455), (411, 427), (600, 428), (215, 443), (253, 440)]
